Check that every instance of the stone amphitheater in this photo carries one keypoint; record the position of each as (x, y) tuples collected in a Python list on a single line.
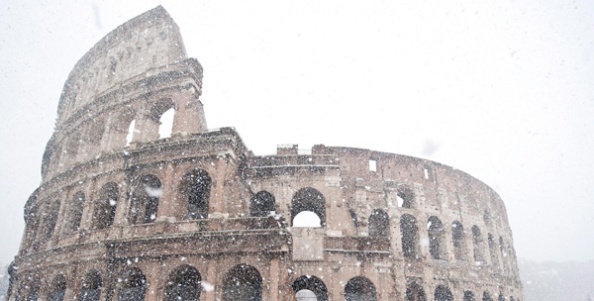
[(132, 207)]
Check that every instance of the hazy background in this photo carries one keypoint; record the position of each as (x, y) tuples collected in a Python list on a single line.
[(503, 90)]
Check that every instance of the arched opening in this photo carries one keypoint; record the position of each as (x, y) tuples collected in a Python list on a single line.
[(91, 287), (379, 224), (436, 233), (308, 199), (477, 242), (75, 211), (458, 240), (487, 297), (71, 146), (468, 296), (415, 292), (133, 285), (130, 132), (262, 204), (503, 255), (184, 284), (310, 283), (306, 295), (493, 251), (145, 199), (410, 237), (243, 282), (196, 187), (50, 218), (93, 136), (405, 197), (166, 124), (105, 206), (359, 289), (443, 293), (500, 298), (32, 288), (58, 289)]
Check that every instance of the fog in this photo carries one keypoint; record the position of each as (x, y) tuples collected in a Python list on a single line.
[(499, 89)]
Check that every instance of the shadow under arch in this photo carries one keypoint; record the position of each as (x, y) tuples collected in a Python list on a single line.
[(360, 288), (183, 284), (309, 199), (242, 282)]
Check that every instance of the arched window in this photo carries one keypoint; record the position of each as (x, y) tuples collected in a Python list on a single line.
[(32, 288), (166, 124), (458, 240), (379, 224), (435, 231), (50, 218), (410, 236), (243, 282), (308, 199), (145, 199), (405, 197), (58, 289), (105, 206), (487, 297), (133, 285), (503, 255), (262, 204), (359, 289), (310, 283), (72, 144), (196, 187), (130, 132), (91, 287), (468, 296), (443, 293), (75, 211), (415, 292), (477, 241), (493, 251), (184, 284)]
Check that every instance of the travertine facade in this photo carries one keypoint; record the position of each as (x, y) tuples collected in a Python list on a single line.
[(124, 214)]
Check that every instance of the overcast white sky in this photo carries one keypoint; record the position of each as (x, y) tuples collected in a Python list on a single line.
[(503, 90)]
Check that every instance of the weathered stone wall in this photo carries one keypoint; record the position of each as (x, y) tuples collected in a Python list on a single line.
[(124, 214)]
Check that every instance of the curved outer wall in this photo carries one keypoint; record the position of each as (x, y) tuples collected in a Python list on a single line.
[(119, 203)]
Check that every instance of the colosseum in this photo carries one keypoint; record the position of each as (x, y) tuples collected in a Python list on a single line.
[(131, 207)]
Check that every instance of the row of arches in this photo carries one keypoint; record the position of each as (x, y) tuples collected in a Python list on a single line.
[(415, 292), (242, 282), (110, 132)]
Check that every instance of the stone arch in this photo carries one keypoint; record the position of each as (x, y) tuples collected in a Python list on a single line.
[(91, 286), (57, 288), (458, 240), (501, 297), (121, 128), (93, 135), (405, 197), (468, 296), (415, 292), (133, 285), (242, 282), (309, 199), (32, 287), (443, 293), (75, 212), (71, 147), (50, 218), (379, 224), (184, 284), (493, 250), (313, 284), (160, 128), (435, 232), (105, 206), (410, 236), (146, 193), (477, 242), (262, 204), (195, 186), (487, 297), (359, 289), (503, 255), (130, 132)]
